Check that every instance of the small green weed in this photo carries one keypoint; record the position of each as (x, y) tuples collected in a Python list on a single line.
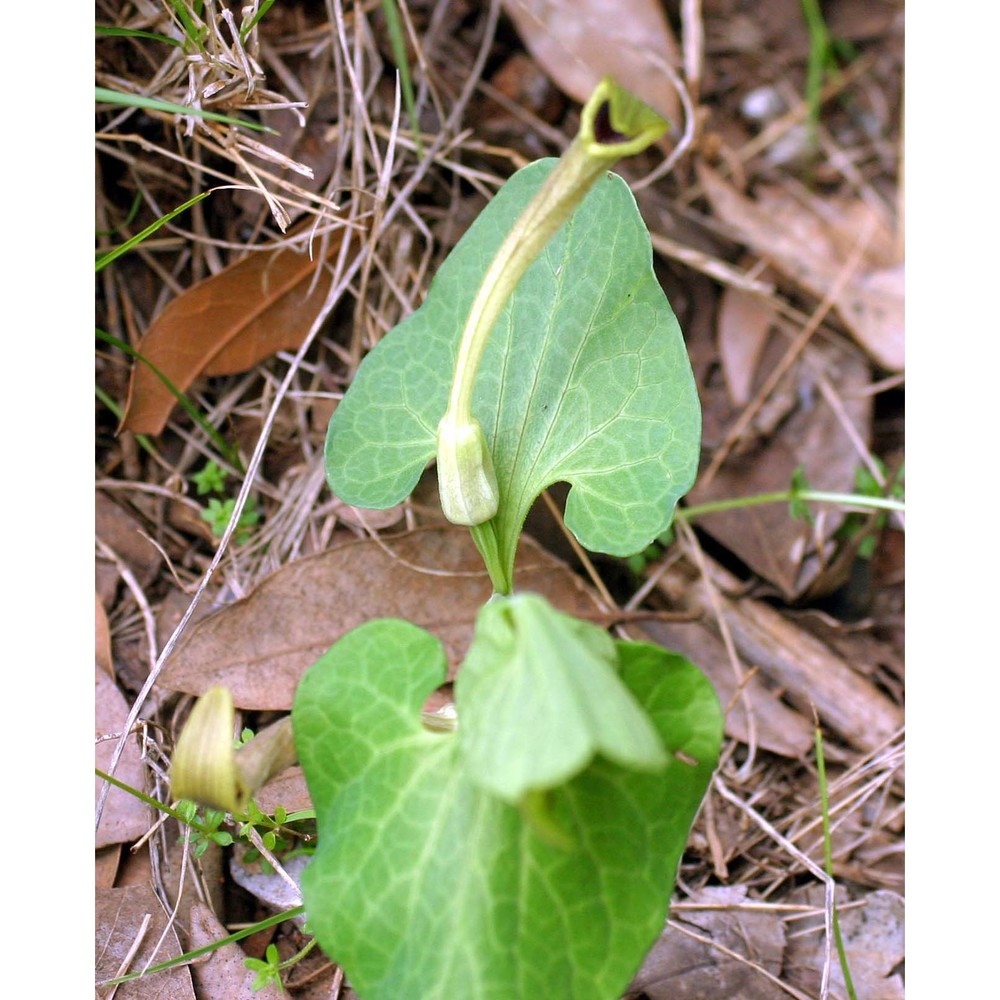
[(219, 512), (826, 54), (868, 486), (204, 828), (268, 969)]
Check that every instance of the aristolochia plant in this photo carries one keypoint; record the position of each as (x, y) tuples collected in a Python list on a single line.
[(530, 851)]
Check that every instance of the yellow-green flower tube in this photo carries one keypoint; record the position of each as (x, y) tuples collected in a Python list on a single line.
[(207, 768), (613, 124)]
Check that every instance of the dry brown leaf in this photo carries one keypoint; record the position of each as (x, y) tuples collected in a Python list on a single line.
[(578, 41), (682, 968), (260, 646), (873, 936), (287, 790), (811, 240), (124, 817), (120, 916), (221, 975), (135, 867), (742, 330), (873, 306), (122, 532), (226, 324), (809, 674), (106, 861)]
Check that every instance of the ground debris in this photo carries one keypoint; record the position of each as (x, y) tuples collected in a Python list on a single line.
[(725, 951)]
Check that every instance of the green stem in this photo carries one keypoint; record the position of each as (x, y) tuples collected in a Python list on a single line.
[(155, 803), (824, 800), (788, 496), (613, 124), (299, 955), (190, 956), (140, 439)]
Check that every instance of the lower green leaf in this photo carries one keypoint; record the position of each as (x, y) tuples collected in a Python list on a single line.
[(425, 886)]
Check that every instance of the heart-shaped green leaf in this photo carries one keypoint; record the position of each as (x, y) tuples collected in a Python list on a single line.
[(427, 887), (585, 379)]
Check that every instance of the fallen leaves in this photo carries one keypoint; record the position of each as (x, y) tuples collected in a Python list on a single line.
[(129, 925), (813, 241), (726, 944), (260, 646), (689, 963), (743, 328), (221, 975), (124, 817), (806, 671), (805, 427), (578, 42), (265, 303), (873, 935)]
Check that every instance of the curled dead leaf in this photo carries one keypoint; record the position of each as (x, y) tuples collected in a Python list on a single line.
[(125, 818), (265, 303), (743, 328)]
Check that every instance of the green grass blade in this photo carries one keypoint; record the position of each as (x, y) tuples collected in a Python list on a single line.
[(262, 10), (110, 31), (824, 800), (819, 51), (116, 252), (398, 42), (192, 411), (192, 30), (152, 104), (129, 217)]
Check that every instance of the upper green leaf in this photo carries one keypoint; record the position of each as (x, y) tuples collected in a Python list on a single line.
[(425, 886), (541, 698), (585, 379)]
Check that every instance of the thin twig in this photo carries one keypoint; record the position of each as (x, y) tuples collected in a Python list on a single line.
[(742, 690)]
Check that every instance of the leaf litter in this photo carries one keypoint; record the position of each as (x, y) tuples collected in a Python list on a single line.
[(432, 577), (835, 385), (226, 324)]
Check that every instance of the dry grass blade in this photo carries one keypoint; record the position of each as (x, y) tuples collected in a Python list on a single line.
[(806, 862)]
